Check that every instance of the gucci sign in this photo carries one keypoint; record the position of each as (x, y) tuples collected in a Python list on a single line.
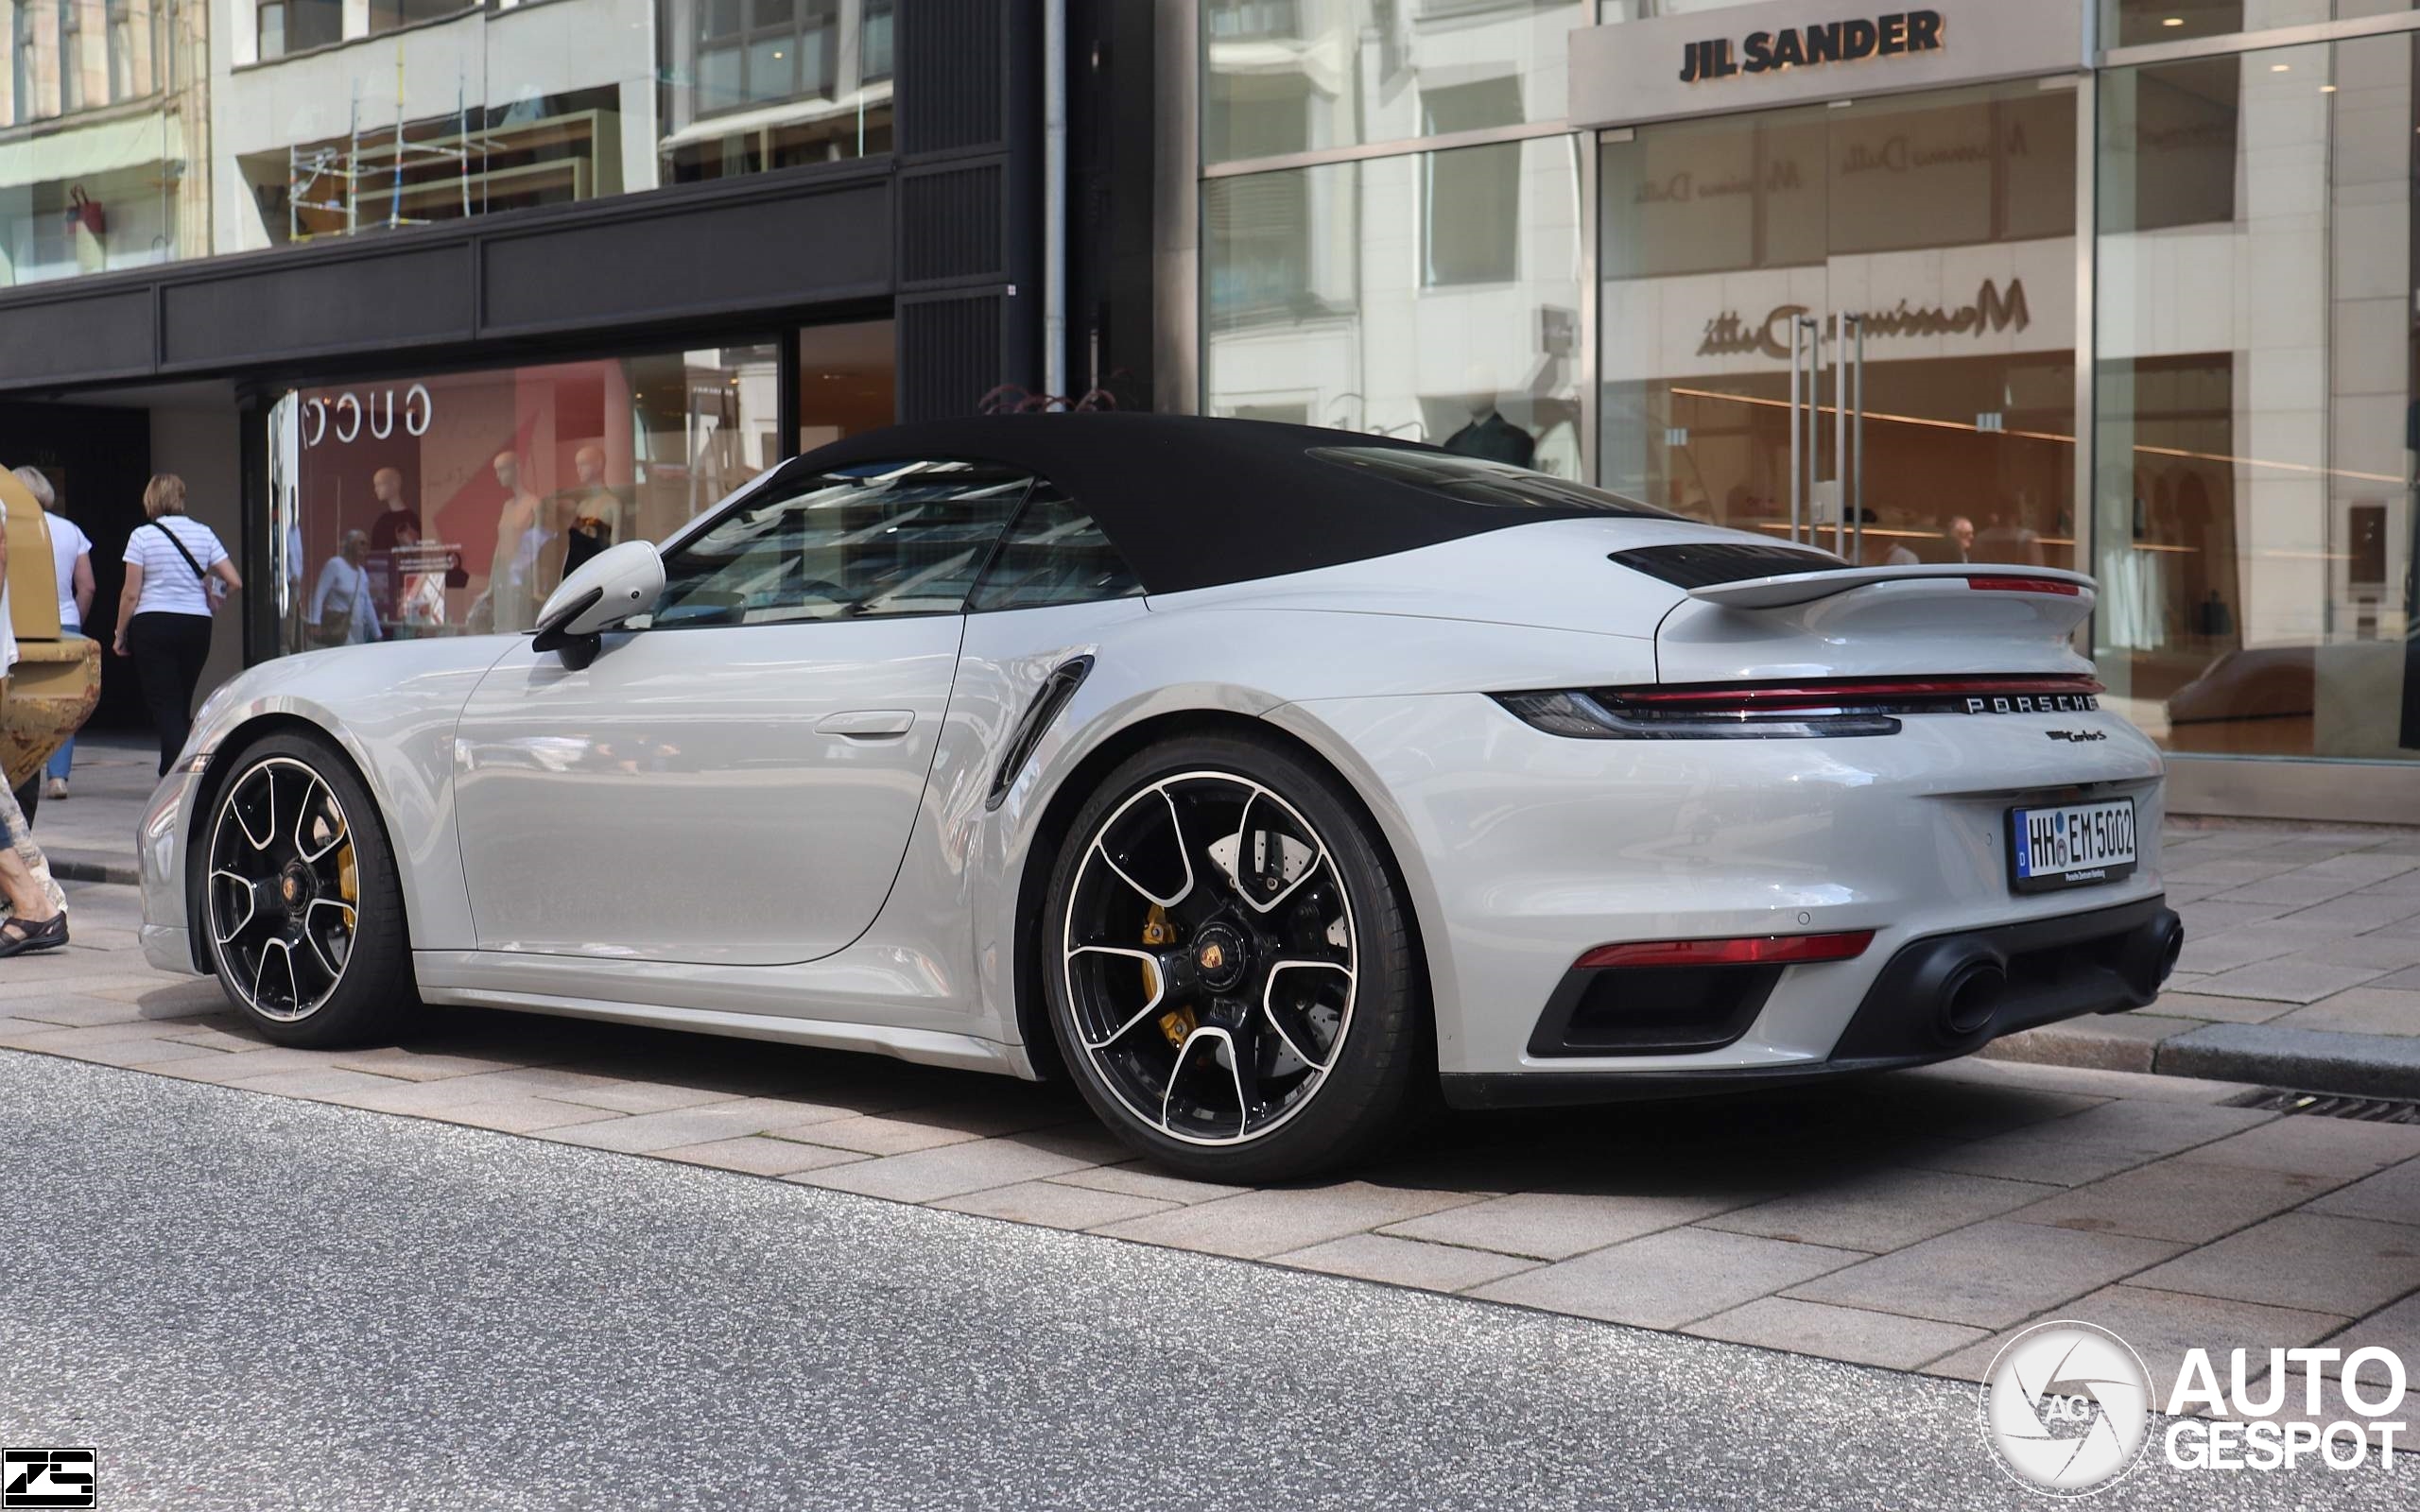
[(348, 414)]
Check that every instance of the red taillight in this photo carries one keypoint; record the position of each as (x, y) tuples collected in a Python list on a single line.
[(1761, 949), (1829, 694), (2025, 585)]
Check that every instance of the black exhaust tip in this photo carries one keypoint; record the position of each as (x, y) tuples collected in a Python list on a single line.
[(1971, 997), (2171, 946)]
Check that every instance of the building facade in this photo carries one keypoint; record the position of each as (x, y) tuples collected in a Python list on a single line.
[(408, 289), (2116, 285), (2122, 285)]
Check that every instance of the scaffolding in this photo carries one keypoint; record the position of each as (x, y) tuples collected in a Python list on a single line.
[(333, 178)]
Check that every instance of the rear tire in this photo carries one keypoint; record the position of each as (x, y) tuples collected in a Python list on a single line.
[(303, 909), (1231, 965)]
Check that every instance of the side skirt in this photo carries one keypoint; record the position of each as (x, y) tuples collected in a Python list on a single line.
[(925, 1047)]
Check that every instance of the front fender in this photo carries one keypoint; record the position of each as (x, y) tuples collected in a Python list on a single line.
[(391, 709)]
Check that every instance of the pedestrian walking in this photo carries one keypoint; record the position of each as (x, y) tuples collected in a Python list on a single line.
[(177, 574), (343, 612), (37, 908), (71, 555)]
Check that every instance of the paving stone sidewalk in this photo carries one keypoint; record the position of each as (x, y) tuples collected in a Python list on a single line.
[(1911, 1221), (2301, 964)]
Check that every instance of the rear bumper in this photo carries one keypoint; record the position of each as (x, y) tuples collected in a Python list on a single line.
[(1524, 851), (2107, 960)]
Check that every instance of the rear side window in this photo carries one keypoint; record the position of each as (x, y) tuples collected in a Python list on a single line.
[(1469, 480), (1054, 554)]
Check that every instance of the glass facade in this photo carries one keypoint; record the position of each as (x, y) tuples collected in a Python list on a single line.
[(2237, 464), (1294, 75), (453, 503), (1432, 296), (2134, 23), (98, 105), (132, 134), (1937, 232), (2256, 409)]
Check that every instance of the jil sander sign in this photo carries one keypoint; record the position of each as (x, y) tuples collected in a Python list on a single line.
[(1781, 52), (1893, 34)]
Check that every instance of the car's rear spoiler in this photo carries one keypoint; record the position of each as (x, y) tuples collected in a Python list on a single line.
[(1804, 588)]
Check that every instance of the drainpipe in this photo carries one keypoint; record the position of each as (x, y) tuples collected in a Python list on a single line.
[(1054, 197)]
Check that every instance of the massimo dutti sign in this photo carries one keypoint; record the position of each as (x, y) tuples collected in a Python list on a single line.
[(1782, 52)]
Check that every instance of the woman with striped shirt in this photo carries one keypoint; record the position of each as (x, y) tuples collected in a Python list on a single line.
[(177, 574)]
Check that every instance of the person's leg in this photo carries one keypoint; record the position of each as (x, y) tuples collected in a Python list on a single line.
[(37, 908), (192, 650), (148, 643), (61, 762)]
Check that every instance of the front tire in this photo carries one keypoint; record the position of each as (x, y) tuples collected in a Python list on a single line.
[(301, 904), (1230, 964)]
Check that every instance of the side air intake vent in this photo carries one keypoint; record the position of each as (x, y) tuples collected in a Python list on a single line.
[(1047, 700)]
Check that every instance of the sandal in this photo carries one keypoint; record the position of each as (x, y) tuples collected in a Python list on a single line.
[(17, 937)]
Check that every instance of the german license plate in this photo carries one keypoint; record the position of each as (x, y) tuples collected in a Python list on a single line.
[(2070, 845)]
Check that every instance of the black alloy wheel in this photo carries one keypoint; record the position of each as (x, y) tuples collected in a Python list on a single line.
[(1230, 963), (302, 903)]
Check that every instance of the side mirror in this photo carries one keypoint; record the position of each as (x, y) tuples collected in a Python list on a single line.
[(612, 586)]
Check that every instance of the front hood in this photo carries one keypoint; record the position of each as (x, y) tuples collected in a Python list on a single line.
[(1554, 574)]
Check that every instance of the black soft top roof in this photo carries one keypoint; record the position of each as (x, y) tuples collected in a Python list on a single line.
[(1192, 502)]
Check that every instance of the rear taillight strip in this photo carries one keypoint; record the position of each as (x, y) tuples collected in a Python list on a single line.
[(1833, 692), (2027, 585)]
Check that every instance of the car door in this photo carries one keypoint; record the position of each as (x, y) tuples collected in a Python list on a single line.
[(733, 778)]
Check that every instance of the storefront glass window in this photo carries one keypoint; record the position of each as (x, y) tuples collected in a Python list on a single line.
[(2132, 23), (847, 381), (1941, 226), (1432, 296), (503, 106), (86, 186), (453, 503), (755, 84), (1290, 76), (2258, 409)]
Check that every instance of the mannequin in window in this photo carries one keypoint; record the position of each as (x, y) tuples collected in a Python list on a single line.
[(1490, 436), (388, 484), (600, 514), (510, 604)]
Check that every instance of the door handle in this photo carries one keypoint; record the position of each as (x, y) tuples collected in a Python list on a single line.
[(868, 724)]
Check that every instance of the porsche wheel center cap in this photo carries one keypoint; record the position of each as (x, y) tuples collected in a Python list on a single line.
[(1219, 954)]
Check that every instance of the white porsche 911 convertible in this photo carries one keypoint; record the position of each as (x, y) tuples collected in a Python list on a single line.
[(1264, 780)]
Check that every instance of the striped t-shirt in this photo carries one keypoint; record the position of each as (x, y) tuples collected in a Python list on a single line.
[(169, 586)]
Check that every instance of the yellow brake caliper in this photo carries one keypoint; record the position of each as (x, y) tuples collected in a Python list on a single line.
[(1177, 1022)]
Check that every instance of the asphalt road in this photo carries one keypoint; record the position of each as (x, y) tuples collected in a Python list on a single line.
[(253, 1302)]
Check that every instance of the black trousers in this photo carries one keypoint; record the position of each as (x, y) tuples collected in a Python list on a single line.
[(168, 651)]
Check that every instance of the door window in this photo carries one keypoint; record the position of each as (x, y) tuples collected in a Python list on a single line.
[(879, 538), (1055, 554)]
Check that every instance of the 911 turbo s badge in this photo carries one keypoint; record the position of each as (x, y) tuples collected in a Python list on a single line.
[(2036, 703)]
